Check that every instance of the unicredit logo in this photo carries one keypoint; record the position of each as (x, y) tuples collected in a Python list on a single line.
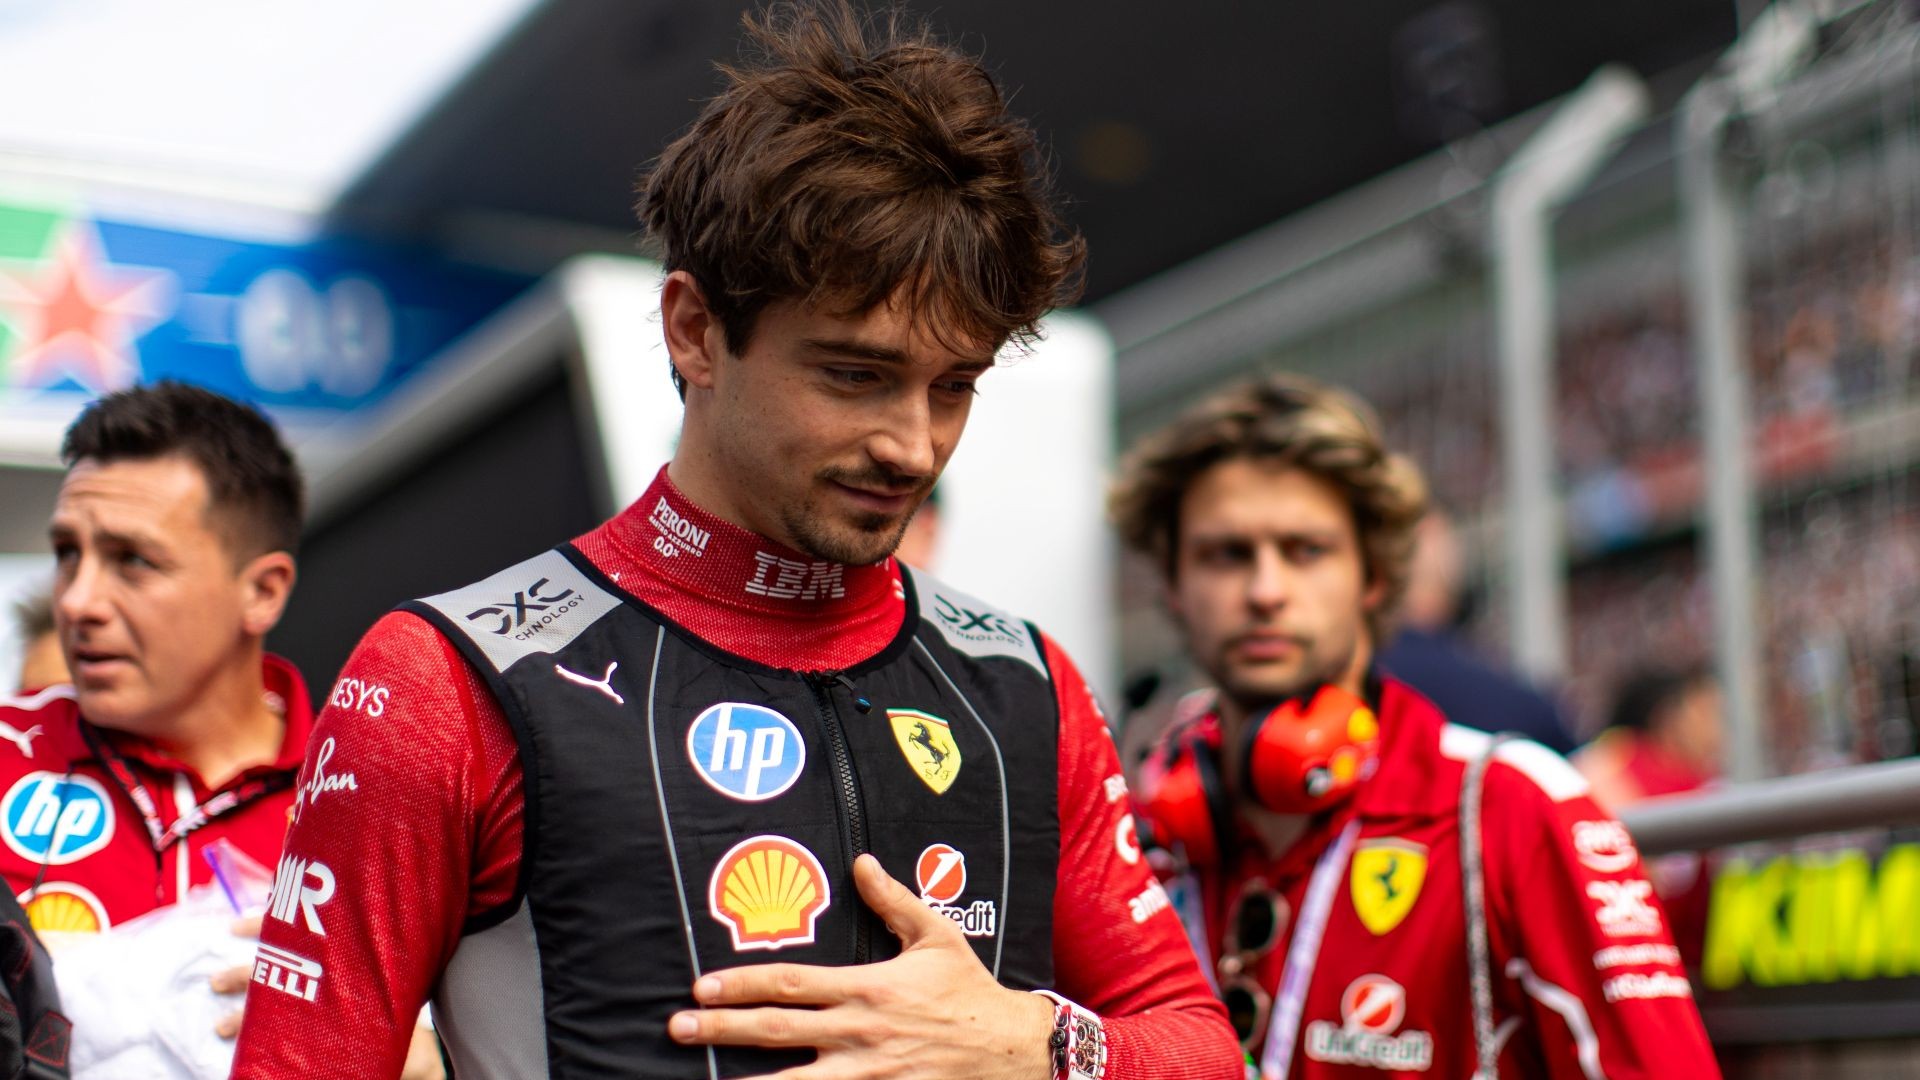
[(1371, 1012), (942, 874), (1374, 1003)]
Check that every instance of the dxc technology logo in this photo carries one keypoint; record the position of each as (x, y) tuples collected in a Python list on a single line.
[(973, 625), (514, 614), (746, 752)]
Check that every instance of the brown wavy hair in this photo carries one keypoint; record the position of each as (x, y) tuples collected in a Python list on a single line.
[(848, 160), (1289, 421)]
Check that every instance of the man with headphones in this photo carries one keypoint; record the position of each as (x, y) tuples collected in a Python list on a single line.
[(1372, 887)]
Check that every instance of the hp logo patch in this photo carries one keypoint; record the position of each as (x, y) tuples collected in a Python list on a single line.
[(746, 752), (54, 819)]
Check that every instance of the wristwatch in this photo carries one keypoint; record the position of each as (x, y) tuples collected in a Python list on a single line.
[(1078, 1042)]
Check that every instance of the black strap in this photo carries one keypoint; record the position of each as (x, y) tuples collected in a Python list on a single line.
[(224, 801), (35, 1037)]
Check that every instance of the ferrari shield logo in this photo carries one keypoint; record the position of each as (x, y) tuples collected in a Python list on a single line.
[(1387, 875), (927, 743)]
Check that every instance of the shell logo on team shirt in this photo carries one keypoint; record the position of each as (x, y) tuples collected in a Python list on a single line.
[(926, 741), (1386, 879), (65, 908), (768, 891)]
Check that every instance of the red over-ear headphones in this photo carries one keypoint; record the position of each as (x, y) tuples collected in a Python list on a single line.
[(1301, 757)]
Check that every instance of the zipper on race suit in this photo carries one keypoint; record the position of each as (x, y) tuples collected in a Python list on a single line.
[(853, 814)]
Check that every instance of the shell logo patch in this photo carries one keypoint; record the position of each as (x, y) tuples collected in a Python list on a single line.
[(768, 891), (1385, 881), (63, 907), (926, 741)]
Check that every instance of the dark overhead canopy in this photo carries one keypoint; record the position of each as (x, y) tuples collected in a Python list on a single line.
[(1176, 126)]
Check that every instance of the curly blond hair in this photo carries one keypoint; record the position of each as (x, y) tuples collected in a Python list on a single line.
[(1286, 420)]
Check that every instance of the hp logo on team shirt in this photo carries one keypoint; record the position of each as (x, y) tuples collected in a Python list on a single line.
[(54, 819), (746, 752)]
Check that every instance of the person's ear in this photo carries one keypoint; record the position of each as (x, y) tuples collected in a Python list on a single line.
[(694, 336), (265, 585), (1375, 595)]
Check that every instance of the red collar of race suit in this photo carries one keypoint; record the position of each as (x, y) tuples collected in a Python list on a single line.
[(743, 592)]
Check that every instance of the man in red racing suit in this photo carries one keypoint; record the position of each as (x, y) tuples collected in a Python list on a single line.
[(434, 836), (851, 232), (1314, 807)]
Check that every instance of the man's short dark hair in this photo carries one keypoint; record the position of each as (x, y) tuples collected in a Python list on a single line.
[(1647, 696), (251, 478), (846, 161)]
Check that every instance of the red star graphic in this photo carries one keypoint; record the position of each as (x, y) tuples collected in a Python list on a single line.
[(77, 315)]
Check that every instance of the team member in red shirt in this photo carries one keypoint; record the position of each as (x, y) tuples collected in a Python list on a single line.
[(583, 803), (173, 538), (1324, 815)]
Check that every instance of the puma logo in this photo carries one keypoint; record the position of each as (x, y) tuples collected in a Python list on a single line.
[(604, 683), (21, 739)]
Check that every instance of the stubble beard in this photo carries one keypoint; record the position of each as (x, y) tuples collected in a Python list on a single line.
[(1253, 696), (857, 540), (863, 539)]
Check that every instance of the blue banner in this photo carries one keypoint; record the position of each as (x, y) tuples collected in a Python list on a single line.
[(89, 305)]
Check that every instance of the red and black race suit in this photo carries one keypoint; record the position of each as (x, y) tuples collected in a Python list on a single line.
[(654, 752)]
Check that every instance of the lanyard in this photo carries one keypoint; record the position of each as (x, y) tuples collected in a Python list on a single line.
[(1284, 1028), (1184, 891), (163, 836)]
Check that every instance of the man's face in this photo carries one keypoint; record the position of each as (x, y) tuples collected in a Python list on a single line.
[(1692, 728), (830, 430), (1269, 583), (148, 602)]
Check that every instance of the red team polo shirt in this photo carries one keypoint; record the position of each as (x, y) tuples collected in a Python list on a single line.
[(1587, 984), (74, 845)]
